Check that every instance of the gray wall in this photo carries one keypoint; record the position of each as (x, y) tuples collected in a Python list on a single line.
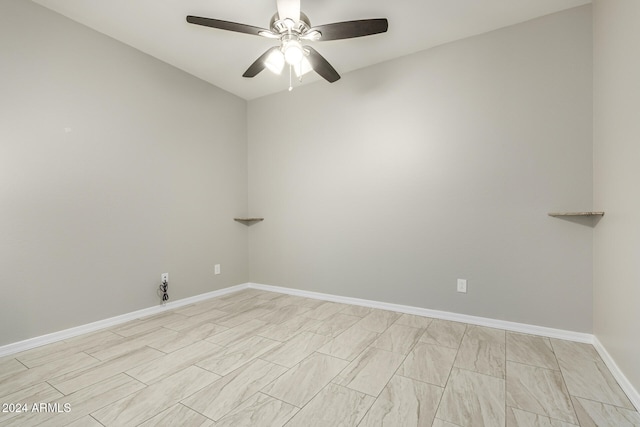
[(402, 177), (147, 181), (616, 170)]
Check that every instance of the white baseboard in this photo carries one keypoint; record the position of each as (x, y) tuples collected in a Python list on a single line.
[(445, 315), (112, 321), (622, 380)]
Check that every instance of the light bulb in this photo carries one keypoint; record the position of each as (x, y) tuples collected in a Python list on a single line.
[(302, 67), (293, 52), (275, 61)]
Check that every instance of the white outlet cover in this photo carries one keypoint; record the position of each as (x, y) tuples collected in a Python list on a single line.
[(217, 269), (462, 285)]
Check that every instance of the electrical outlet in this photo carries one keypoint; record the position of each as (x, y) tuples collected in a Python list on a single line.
[(462, 285), (217, 269), (164, 277)]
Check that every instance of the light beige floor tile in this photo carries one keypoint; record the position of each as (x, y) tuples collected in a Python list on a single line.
[(283, 314), (219, 398), (78, 380), (298, 385), (47, 353), (309, 302), (356, 310), (188, 336), (33, 376), (404, 402), (473, 400), (239, 333), (259, 410), (94, 340), (596, 414), (87, 421), (244, 305), (370, 371), (171, 363), (531, 350), (334, 406), (139, 326), (519, 418), (398, 338), (210, 316), (334, 325), (482, 350), (269, 295), (292, 352), (590, 379), (429, 363), (227, 359), (324, 311), (42, 392), (235, 319), (148, 402), (414, 321), (349, 344), (289, 329), (539, 390), (378, 320), (444, 333), (83, 402), (193, 309), (10, 366), (441, 423), (155, 337), (178, 415), (568, 351)]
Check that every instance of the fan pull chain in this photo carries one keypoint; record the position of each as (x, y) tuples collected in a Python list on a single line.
[(290, 78)]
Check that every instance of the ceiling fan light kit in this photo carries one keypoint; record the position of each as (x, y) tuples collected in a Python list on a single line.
[(291, 27)]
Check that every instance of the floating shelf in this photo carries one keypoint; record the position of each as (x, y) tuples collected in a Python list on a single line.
[(576, 213), (248, 219)]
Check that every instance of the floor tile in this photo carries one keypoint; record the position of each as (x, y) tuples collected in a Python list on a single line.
[(171, 363), (398, 338), (187, 337), (283, 314), (289, 329), (178, 415), (531, 350), (334, 325), (540, 391), (259, 410), (349, 344), (33, 376), (482, 350), (296, 349), (78, 380), (519, 418), (219, 398), (429, 363), (370, 372), (136, 327), (10, 366), (473, 400), (404, 402), (444, 333), (568, 351), (227, 359), (415, 321), (596, 414), (47, 353), (42, 392), (378, 320), (269, 296), (441, 423), (334, 406), (154, 337), (209, 316), (324, 311), (193, 309), (87, 421), (298, 385), (148, 402), (240, 332), (356, 310)]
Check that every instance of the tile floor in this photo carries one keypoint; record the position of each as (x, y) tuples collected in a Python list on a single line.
[(256, 358)]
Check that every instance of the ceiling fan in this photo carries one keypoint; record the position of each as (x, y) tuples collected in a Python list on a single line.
[(292, 27)]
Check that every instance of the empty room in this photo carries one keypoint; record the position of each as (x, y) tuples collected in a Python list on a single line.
[(319, 213)]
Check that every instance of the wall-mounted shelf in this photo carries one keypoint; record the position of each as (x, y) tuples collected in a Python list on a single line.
[(576, 213), (248, 220)]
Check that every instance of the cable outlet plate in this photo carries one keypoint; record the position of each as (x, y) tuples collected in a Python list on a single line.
[(164, 277), (462, 285)]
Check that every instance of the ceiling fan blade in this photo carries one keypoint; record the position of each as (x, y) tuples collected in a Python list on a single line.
[(226, 25), (351, 29), (259, 64), (289, 9), (321, 65)]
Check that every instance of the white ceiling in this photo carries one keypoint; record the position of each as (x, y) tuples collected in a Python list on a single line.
[(158, 28)]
